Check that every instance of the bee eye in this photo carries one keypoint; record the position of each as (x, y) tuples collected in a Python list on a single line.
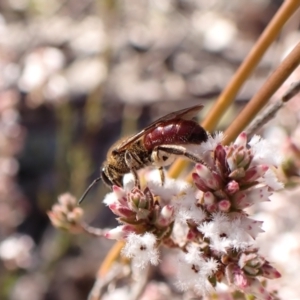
[(105, 178)]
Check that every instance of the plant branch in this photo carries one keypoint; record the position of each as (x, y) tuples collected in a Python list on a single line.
[(111, 257), (263, 95), (272, 109)]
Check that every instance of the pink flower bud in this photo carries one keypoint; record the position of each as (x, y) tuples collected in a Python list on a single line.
[(246, 258), (192, 234), (167, 211), (220, 154), (240, 201), (250, 196), (66, 215), (238, 277), (212, 208), (56, 220), (238, 157), (269, 272), (120, 232), (241, 140), (67, 200), (232, 187), (137, 200), (75, 216), (224, 205), (166, 216), (142, 214), (251, 271), (121, 211), (211, 179), (237, 174), (257, 289), (199, 183), (60, 211), (255, 172), (220, 157), (149, 197), (208, 198), (119, 192), (243, 158)]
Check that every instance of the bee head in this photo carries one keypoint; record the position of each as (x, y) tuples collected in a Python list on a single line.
[(110, 177), (105, 177)]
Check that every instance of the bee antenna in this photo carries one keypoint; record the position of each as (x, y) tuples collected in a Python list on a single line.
[(88, 189)]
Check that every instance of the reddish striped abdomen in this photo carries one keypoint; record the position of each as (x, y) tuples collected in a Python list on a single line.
[(175, 132)]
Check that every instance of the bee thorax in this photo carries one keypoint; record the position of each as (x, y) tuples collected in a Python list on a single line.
[(133, 160)]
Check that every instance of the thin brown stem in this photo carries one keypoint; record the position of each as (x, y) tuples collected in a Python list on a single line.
[(263, 95), (111, 257), (270, 111), (102, 282)]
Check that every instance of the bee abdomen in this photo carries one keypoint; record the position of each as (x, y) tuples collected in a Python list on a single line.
[(175, 132)]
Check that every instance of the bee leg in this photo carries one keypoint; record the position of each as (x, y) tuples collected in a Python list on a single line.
[(162, 175), (136, 178), (179, 150), (133, 165)]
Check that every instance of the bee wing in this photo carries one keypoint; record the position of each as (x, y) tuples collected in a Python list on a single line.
[(186, 114)]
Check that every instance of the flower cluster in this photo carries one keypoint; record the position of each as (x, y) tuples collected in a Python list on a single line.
[(146, 222), (206, 221), (231, 178), (141, 213), (66, 214)]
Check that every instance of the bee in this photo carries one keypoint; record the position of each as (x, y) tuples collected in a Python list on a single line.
[(157, 145)]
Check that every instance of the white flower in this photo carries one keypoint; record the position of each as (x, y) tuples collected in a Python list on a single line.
[(118, 195), (186, 208), (141, 249), (225, 234), (110, 198), (194, 271), (252, 227), (180, 232), (212, 142), (17, 249), (258, 193), (128, 182), (193, 255), (170, 189), (251, 196), (192, 212), (270, 179), (241, 140), (203, 151), (264, 152)]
